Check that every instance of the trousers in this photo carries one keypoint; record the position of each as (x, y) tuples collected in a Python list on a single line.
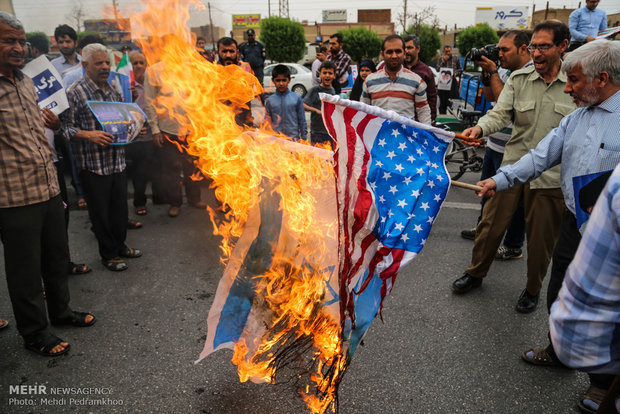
[(35, 250), (543, 218)]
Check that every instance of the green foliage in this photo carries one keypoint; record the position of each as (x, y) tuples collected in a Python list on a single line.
[(81, 35), (361, 43), (29, 35), (476, 36), (430, 41), (283, 38)]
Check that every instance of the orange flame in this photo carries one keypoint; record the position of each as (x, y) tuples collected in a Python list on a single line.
[(204, 98)]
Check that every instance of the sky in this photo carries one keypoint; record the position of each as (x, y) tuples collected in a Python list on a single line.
[(36, 17)]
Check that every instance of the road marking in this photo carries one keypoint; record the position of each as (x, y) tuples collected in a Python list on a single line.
[(462, 206)]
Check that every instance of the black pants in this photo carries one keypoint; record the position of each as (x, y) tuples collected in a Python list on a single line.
[(175, 163), (106, 196), (35, 249), (64, 195), (444, 102), (563, 255), (140, 154)]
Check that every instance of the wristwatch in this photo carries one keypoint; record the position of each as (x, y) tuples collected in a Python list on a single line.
[(492, 73)]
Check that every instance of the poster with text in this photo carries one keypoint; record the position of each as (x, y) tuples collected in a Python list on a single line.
[(123, 120), (49, 85)]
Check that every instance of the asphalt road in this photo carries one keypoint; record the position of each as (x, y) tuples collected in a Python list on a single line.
[(435, 352)]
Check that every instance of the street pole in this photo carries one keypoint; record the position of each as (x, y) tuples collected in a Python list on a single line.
[(405, 17), (211, 24)]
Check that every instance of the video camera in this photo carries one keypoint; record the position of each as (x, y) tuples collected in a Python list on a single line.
[(491, 52)]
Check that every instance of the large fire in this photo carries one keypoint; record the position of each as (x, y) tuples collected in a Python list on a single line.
[(246, 165)]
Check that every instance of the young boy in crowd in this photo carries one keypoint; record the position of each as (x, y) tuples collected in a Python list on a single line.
[(285, 108), (312, 102)]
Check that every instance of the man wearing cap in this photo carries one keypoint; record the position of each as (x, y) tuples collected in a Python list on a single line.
[(253, 52)]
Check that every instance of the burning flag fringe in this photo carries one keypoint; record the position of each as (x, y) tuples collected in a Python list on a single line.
[(310, 243)]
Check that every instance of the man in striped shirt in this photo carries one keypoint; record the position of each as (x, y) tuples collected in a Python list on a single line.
[(395, 88)]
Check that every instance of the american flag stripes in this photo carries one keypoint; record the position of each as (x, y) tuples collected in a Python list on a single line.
[(391, 182)]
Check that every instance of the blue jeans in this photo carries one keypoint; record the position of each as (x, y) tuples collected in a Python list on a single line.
[(515, 234)]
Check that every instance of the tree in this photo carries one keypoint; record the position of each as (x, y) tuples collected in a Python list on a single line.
[(427, 16), (476, 36), (77, 14), (360, 43), (430, 41), (283, 38)]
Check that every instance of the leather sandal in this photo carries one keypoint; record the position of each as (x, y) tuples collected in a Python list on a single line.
[(592, 399), (3, 323), (130, 253), (77, 319), (78, 268), (116, 265), (539, 356), (44, 346)]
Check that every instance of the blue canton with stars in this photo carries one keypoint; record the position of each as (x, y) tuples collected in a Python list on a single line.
[(408, 178)]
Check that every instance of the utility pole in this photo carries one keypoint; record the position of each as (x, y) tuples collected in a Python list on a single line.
[(211, 24), (268, 8), (405, 17), (284, 8), (115, 8)]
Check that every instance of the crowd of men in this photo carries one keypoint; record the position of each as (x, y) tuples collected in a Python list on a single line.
[(561, 112)]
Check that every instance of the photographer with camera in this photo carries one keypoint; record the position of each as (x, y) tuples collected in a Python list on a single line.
[(512, 54), (534, 99)]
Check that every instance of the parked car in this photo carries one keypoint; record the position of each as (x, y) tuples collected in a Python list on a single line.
[(301, 79)]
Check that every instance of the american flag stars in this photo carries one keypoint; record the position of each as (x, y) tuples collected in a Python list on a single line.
[(409, 181)]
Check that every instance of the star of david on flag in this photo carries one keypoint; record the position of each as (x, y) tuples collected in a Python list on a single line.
[(392, 182)]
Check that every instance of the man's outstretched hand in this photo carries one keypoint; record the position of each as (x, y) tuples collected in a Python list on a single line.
[(488, 188)]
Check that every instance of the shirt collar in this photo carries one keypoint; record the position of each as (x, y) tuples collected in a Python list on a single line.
[(78, 56), (94, 86), (561, 76), (611, 104), (283, 93), (19, 75)]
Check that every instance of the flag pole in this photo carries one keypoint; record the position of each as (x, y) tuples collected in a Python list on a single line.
[(465, 185)]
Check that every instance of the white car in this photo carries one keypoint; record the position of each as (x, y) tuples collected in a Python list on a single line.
[(301, 79)]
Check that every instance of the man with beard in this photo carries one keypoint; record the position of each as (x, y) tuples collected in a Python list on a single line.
[(534, 98), (587, 141), (454, 64), (36, 251), (66, 39), (102, 165), (414, 64), (341, 60), (396, 88), (228, 54)]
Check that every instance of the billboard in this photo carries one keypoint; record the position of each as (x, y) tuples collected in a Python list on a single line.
[(116, 32), (335, 16), (374, 16), (504, 17), (246, 20)]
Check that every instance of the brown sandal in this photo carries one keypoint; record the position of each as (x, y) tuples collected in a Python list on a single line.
[(539, 356), (592, 399)]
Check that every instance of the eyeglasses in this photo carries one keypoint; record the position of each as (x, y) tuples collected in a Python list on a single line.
[(541, 48)]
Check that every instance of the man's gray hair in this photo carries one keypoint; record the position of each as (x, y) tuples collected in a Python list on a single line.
[(91, 49), (10, 20), (595, 57)]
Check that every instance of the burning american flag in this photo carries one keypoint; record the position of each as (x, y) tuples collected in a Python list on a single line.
[(311, 241)]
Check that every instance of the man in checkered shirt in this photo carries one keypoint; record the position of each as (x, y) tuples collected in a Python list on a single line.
[(32, 221)]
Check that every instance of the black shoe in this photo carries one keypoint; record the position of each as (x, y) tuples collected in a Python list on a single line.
[(466, 283), (469, 234), (527, 303)]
